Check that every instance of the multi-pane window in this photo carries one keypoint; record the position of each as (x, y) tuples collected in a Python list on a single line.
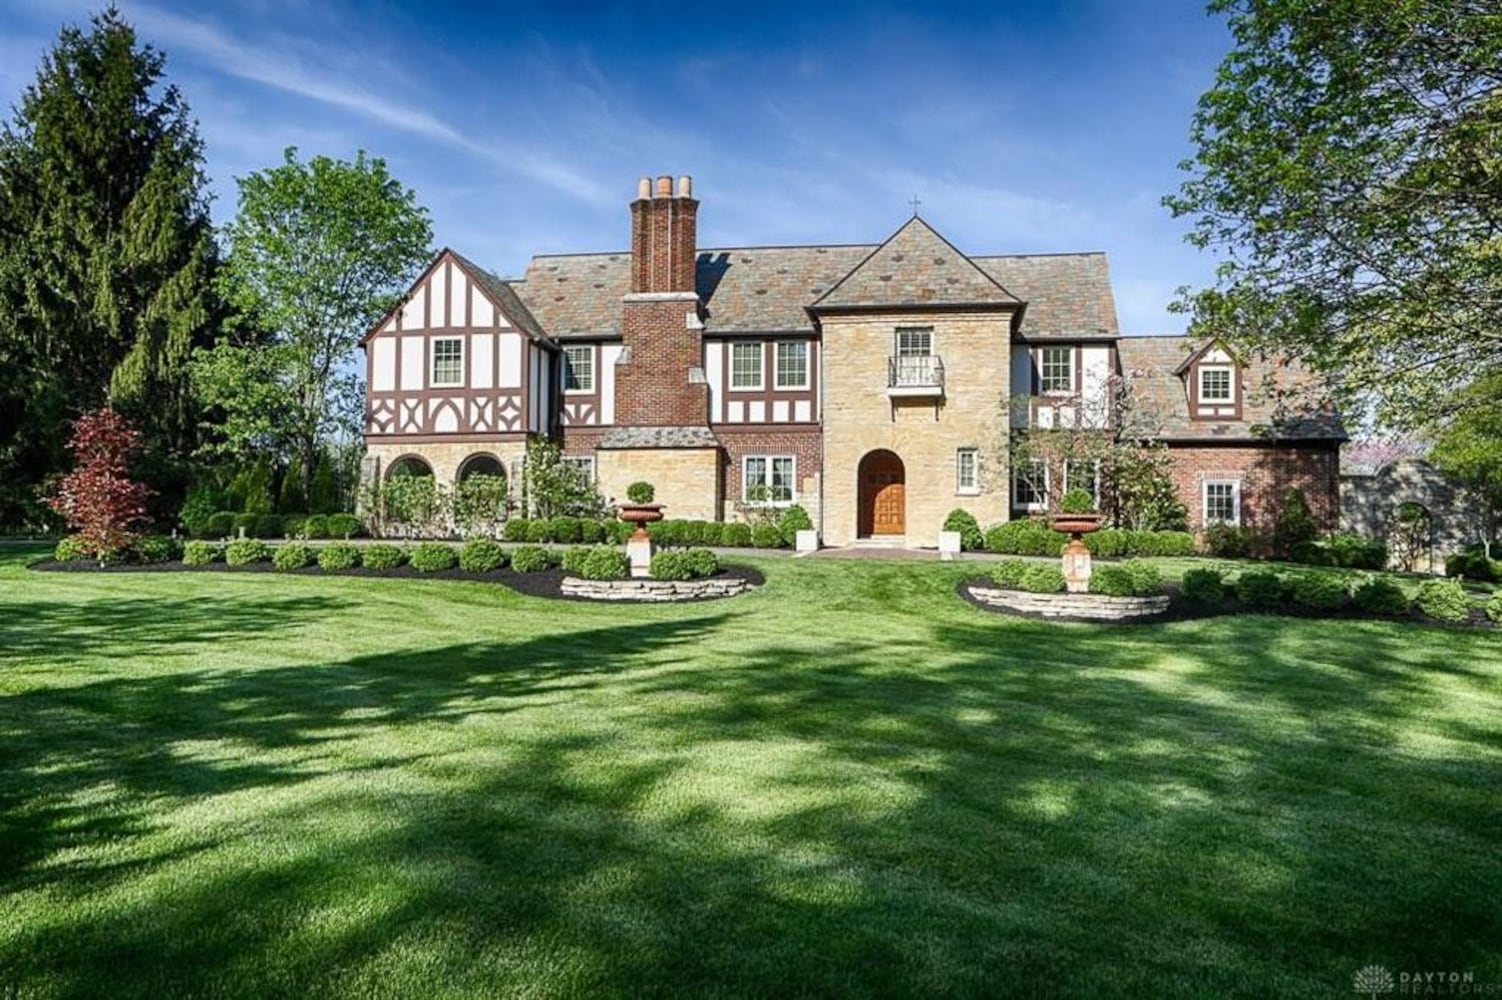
[(448, 361), (915, 341), (792, 364), (1083, 474), (579, 368), (967, 471), (768, 479), (1056, 370), (1030, 484), (1222, 502), (583, 466), (745, 365), (1215, 385)]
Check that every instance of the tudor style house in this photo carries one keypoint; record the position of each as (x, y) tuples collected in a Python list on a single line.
[(879, 387)]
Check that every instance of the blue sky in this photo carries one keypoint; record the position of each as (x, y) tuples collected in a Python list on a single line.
[(1021, 127)]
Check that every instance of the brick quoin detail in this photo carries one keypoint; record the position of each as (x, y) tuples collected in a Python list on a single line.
[(1266, 473)]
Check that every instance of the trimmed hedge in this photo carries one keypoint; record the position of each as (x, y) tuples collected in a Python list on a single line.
[(1146, 580), (157, 549), (1116, 542), (1380, 597), (1473, 565), (1320, 591), (244, 551), (220, 525), (202, 553), (70, 549), (1444, 600), (702, 562), (1203, 586), (961, 520), (340, 555), (316, 526), (671, 565), (345, 526), (433, 557), (1009, 573), (736, 535), (530, 559), (1043, 580), (481, 555), (1260, 588), (293, 555), (1113, 581), (605, 562), (515, 530), (382, 556), (1025, 537), (1494, 608), (766, 536)]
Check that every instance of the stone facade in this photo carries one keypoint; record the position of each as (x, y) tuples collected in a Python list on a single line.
[(686, 479), (1369, 505), (924, 432), (446, 458)]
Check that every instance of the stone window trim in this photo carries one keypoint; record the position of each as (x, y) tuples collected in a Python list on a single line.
[(767, 476), (1220, 501), (446, 366), (752, 352), (967, 471), (579, 375), (1224, 389), (1025, 495), (797, 360)]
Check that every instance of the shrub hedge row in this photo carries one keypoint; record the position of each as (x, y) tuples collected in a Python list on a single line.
[(228, 524)]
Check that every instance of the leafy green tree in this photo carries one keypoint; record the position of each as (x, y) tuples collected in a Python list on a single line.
[(323, 498), (553, 488), (107, 256), (292, 499), (317, 252), (1349, 173), (1469, 448)]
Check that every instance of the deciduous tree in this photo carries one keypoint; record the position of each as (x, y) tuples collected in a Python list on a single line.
[(99, 498)]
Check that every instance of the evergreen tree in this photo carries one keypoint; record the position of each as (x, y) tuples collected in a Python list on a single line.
[(324, 495), (293, 500), (107, 256)]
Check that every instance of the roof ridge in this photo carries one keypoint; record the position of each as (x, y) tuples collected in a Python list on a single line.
[(918, 220)]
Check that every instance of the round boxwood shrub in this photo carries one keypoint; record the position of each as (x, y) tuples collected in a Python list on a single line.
[(591, 532), (736, 535), (1203, 586), (702, 562), (382, 556), (1146, 580), (792, 521), (481, 555), (1025, 537), (157, 549), (573, 559), (605, 562), (714, 533), (244, 526), (293, 555), (540, 530), (529, 559), (432, 557), (345, 526), (202, 553), (1009, 573), (1380, 597), (1112, 581), (969, 528), (670, 564), (1043, 580), (268, 526), (567, 530), (515, 530), (316, 526), (340, 555), (220, 525), (244, 551), (70, 549), (1494, 608), (766, 536), (1444, 600), (1260, 589), (641, 492), (1320, 591)]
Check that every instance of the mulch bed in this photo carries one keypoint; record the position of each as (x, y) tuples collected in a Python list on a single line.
[(544, 583), (1181, 610)]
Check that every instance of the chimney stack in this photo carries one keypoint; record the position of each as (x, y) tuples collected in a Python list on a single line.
[(664, 235)]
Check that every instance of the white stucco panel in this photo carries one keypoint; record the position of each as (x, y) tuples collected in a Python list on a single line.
[(412, 312), (383, 364), (412, 362), (482, 360), (610, 354), (511, 361)]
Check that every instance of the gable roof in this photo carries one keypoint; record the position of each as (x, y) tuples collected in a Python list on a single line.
[(914, 267), (1151, 366), (497, 290)]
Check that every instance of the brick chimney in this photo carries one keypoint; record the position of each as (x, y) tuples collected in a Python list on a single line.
[(660, 382), (664, 230)]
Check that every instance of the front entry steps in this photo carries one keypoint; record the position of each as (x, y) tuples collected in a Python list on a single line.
[(880, 542)]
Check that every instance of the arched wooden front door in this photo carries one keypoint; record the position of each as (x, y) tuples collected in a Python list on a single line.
[(883, 505)]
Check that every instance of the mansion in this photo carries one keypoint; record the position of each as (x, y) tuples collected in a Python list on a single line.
[(879, 386)]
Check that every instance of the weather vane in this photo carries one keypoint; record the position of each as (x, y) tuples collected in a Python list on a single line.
[(915, 203)]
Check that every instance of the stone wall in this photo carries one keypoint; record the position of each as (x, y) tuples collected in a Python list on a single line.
[(1369, 503), (447, 457), (1094, 606), (655, 591), (687, 480)]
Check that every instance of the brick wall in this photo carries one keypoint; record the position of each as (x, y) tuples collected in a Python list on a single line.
[(806, 446), (652, 389), (1266, 473)]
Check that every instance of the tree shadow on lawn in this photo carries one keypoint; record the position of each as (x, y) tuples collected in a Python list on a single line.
[(1248, 808)]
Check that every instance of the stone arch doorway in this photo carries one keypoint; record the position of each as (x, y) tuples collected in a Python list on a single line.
[(882, 495), (481, 464), (409, 465)]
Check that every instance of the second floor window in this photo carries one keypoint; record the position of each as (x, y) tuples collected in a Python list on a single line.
[(448, 361), (579, 368), (745, 365), (1215, 385), (1056, 370), (792, 364), (915, 341)]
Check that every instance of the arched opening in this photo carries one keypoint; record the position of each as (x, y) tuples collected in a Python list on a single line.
[(481, 465), (408, 465), (1410, 537), (882, 495)]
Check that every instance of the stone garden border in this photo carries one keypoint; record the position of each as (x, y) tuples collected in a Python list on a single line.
[(1075, 607), (654, 591)]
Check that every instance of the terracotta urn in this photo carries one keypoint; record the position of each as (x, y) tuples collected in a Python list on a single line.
[(641, 515), (1076, 555), (1075, 525)]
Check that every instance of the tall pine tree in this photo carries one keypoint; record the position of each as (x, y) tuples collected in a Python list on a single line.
[(107, 256)]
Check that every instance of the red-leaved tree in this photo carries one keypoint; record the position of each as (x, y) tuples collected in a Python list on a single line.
[(98, 498)]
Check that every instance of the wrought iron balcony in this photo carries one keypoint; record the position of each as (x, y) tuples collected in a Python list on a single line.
[(915, 375)]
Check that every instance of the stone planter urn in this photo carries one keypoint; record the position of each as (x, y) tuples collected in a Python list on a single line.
[(639, 545), (1076, 556)]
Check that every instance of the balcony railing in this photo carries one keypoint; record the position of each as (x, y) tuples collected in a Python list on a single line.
[(915, 375)]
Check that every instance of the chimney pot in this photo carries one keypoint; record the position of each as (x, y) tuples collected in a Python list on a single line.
[(685, 187), (664, 187), (644, 188)]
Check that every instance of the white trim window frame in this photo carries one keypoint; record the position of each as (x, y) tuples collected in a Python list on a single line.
[(751, 352), (777, 473), (578, 379), (447, 356), (1220, 502), (1094, 476), (915, 341), (584, 463), (1229, 385), (967, 471), (1036, 500), (793, 353), (1056, 376)]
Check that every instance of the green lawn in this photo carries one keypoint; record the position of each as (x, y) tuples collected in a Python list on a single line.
[(850, 782)]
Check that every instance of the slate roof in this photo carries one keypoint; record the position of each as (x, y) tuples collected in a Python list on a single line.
[(1067, 294), (659, 437), (1150, 364), (505, 296), (915, 267)]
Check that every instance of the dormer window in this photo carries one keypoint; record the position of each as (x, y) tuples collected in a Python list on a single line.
[(1216, 384), (1212, 385)]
